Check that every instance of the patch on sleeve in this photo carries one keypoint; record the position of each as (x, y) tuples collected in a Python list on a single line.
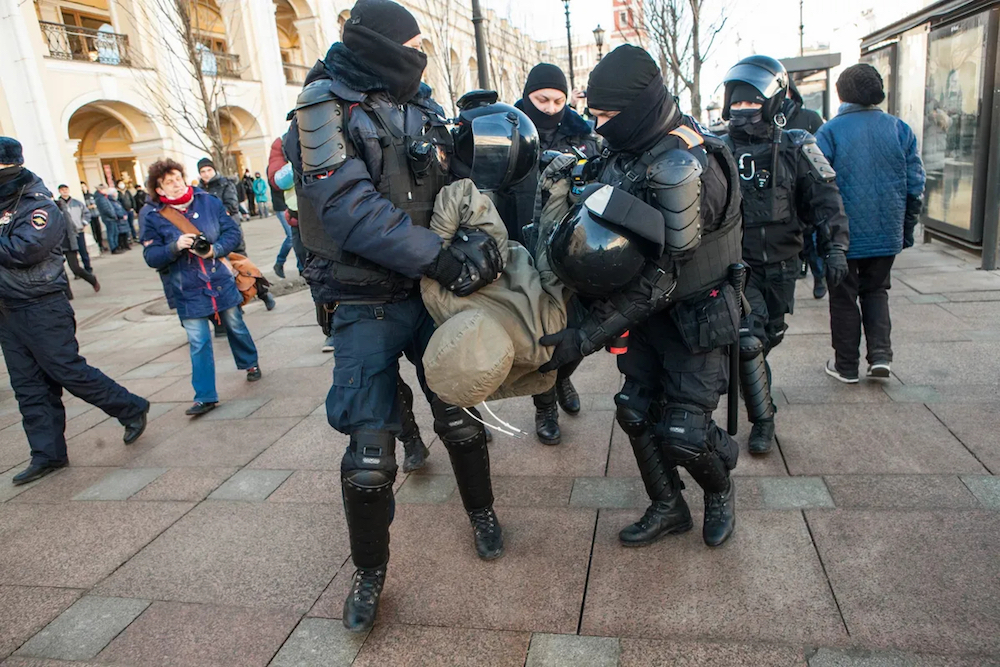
[(39, 218)]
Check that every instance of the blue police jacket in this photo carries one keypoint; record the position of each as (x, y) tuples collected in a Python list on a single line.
[(878, 165), (197, 287), (32, 232)]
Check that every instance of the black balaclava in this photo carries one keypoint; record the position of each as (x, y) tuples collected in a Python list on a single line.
[(748, 122), (541, 76), (628, 81), (376, 32)]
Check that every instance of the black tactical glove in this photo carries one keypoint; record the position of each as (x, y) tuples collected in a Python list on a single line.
[(471, 262), (913, 208), (836, 264), (569, 344)]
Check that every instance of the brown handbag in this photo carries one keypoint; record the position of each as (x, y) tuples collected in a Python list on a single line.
[(244, 271)]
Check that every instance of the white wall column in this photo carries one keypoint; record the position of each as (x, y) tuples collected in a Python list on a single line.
[(263, 33)]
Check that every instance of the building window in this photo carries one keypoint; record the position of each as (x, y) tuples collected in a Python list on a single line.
[(623, 19), (81, 20)]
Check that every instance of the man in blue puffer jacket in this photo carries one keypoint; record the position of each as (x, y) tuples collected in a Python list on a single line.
[(881, 180)]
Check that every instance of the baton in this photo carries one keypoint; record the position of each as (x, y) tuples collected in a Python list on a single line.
[(736, 274)]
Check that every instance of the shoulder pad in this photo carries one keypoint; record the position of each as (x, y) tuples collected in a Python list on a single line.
[(674, 183), (819, 166), (316, 92), (321, 120)]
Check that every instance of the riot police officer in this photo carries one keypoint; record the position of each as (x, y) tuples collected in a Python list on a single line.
[(651, 253), (366, 154), (37, 325), (785, 178)]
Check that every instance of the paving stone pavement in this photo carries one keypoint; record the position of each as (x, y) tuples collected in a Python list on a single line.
[(869, 536)]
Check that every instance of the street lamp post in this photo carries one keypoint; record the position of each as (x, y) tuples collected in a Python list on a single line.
[(599, 40), (477, 24), (569, 47)]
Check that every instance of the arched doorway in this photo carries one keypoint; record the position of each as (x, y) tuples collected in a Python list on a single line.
[(244, 139), (115, 141)]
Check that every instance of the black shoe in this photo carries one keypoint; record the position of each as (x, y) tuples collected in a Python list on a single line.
[(487, 532), (566, 394), (819, 288), (253, 374), (279, 271), (416, 453), (135, 427), (361, 604), (720, 516), (198, 409), (547, 425), (35, 471), (761, 437), (662, 518)]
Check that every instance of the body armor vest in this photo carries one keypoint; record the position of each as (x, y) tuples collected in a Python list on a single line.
[(411, 178), (767, 185), (708, 264)]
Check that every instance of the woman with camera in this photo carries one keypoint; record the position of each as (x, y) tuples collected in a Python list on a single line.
[(185, 234)]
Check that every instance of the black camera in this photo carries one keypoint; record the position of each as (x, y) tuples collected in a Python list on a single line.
[(201, 245)]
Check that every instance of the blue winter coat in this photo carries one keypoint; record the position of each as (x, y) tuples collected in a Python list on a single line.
[(196, 287), (878, 166)]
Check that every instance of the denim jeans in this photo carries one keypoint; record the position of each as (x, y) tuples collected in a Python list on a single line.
[(112, 235), (81, 241), (199, 333), (292, 241)]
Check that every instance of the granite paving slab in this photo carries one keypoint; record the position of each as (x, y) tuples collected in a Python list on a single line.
[(917, 581), (76, 544), (537, 585), (976, 426), (662, 652), (237, 409), (794, 493), (986, 489), (80, 632), (310, 486), (322, 642), (891, 438), (102, 445), (957, 363), (172, 634), (418, 646), (311, 445), (934, 282), (571, 650), (899, 492), (26, 610), (205, 444), (287, 554), (826, 657), (184, 484), (120, 484), (250, 485), (765, 584), (8, 490)]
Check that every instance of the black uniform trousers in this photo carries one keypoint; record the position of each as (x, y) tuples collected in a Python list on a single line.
[(770, 289), (867, 280), (39, 345)]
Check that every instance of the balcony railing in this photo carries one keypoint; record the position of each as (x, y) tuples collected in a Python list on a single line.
[(69, 42), (295, 73), (215, 63)]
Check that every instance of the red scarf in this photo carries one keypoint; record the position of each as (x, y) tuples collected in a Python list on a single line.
[(180, 201)]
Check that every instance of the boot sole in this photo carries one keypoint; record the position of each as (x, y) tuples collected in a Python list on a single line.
[(548, 442), (673, 531), (760, 452), (879, 372), (728, 537)]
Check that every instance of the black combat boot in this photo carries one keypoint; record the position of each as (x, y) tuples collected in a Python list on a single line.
[(414, 450), (668, 514), (361, 604), (566, 394), (487, 533), (415, 454), (761, 436), (720, 515), (547, 418)]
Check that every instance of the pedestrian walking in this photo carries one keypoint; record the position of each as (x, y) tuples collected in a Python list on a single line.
[(881, 179), (38, 326), (260, 195), (247, 182), (76, 215), (288, 215), (197, 282), (371, 230)]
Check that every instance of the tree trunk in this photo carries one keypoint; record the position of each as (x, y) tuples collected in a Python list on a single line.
[(695, 87)]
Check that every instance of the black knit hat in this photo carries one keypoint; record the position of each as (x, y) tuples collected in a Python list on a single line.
[(861, 84), (391, 20), (744, 92), (11, 151), (205, 162), (545, 75), (620, 78)]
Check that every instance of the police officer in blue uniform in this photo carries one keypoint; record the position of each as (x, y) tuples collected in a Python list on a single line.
[(37, 326), (365, 147)]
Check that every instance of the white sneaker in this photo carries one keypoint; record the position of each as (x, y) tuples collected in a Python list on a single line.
[(879, 369), (832, 372), (328, 344)]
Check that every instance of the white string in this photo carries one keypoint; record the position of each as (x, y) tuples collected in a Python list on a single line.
[(493, 415), (492, 426)]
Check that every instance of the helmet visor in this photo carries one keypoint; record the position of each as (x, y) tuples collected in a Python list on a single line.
[(766, 82), (492, 161)]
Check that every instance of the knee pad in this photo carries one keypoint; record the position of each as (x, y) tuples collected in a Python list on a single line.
[(683, 430), (369, 464), (633, 422), (750, 345), (634, 403), (453, 425)]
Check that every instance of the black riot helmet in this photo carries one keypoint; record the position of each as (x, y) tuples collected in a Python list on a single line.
[(496, 145), (604, 241), (764, 74)]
